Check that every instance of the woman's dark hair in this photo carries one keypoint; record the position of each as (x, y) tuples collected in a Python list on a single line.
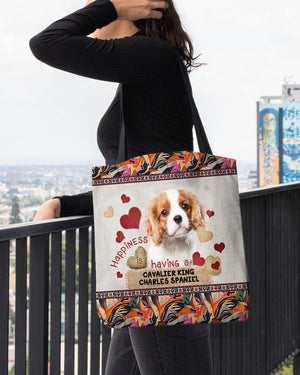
[(169, 28)]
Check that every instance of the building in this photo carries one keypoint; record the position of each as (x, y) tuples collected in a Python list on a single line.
[(278, 136)]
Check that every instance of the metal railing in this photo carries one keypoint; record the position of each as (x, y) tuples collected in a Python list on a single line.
[(258, 346), (46, 242), (271, 335)]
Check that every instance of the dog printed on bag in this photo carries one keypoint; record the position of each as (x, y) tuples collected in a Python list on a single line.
[(171, 221)]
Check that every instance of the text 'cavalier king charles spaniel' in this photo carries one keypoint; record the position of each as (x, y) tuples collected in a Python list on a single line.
[(171, 220)]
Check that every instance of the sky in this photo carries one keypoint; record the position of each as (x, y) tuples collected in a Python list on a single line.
[(48, 116)]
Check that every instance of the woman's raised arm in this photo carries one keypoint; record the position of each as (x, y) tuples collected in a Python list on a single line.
[(65, 45)]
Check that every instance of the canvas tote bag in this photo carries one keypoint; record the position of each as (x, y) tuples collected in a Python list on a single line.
[(168, 237)]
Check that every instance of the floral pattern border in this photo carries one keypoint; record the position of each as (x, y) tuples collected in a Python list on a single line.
[(166, 164), (194, 308)]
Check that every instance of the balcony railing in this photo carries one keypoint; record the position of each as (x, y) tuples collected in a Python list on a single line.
[(60, 326)]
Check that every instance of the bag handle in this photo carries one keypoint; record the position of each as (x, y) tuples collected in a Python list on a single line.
[(200, 132), (202, 140)]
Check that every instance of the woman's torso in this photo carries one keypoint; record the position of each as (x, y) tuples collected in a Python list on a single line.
[(157, 118), (156, 108)]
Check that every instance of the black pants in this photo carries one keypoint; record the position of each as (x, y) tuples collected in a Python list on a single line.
[(177, 350)]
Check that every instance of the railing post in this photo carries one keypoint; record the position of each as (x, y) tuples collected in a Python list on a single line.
[(95, 321), (296, 364), (38, 316), (4, 305), (83, 300), (55, 331), (70, 302), (21, 306)]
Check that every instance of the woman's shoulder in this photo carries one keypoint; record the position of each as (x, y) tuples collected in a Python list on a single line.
[(153, 43), (150, 44), (155, 56)]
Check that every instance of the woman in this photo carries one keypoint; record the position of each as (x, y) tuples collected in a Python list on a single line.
[(136, 44)]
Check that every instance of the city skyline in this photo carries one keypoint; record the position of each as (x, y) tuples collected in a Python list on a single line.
[(49, 116)]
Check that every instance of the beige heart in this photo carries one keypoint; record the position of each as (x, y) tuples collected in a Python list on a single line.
[(204, 235), (213, 265), (139, 260), (109, 212)]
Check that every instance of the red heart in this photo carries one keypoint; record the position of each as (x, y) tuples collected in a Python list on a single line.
[(132, 220), (124, 198), (215, 265), (120, 236), (197, 260), (119, 275), (210, 213), (219, 246)]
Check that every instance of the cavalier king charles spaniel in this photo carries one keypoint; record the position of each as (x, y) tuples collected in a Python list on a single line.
[(171, 220)]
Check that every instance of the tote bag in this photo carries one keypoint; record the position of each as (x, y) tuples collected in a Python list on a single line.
[(168, 237)]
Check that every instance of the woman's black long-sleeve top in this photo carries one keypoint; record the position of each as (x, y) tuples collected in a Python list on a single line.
[(157, 112)]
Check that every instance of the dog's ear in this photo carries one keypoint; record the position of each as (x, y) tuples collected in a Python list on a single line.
[(197, 214), (153, 227)]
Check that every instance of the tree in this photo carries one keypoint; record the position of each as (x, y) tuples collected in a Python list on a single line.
[(15, 211), (13, 191)]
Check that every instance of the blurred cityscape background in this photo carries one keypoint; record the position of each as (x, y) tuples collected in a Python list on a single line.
[(249, 50), (24, 188)]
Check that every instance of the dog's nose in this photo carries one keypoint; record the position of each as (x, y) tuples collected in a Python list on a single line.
[(177, 219)]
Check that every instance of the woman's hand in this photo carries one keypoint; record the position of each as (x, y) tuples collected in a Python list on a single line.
[(48, 210), (132, 10)]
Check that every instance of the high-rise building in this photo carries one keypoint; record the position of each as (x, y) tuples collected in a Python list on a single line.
[(278, 137)]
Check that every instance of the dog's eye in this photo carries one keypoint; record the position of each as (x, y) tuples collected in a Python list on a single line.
[(185, 206), (164, 212)]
